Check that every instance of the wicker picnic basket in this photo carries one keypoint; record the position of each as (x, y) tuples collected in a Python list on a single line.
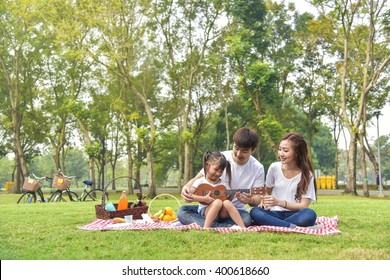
[(60, 182), (31, 185), (102, 213), (162, 196)]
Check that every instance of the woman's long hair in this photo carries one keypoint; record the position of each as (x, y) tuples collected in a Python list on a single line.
[(303, 163)]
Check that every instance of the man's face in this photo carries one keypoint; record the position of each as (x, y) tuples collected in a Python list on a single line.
[(241, 155)]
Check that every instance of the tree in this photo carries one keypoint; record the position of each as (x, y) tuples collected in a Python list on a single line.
[(373, 58), (20, 68), (122, 48), (188, 28)]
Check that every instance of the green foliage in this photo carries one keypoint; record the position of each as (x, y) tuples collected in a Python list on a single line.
[(93, 71), (93, 150), (251, 15), (272, 126), (166, 157), (384, 142), (324, 151), (76, 164)]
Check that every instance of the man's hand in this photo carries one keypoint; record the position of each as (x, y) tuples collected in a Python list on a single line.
[(244, 197), (185, 191), (186, 194)]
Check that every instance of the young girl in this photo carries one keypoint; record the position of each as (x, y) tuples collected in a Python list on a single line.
[(214, 164), (291, 183)]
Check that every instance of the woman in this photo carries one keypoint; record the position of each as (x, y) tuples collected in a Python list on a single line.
[(290, 187)]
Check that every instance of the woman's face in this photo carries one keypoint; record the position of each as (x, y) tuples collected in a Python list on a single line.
[(286, 152)]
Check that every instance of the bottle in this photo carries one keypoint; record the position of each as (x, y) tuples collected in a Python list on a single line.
[(123, 203)]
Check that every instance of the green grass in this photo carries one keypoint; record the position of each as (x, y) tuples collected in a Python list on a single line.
[(48, 231)]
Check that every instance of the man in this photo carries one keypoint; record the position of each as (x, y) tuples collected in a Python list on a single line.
[(247, 172)]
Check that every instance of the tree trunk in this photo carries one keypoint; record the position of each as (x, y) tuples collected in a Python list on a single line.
[(19, 157), (350, 187), (151, 180), (129, 164), (180, 160), (149, 144), (364, 168), (91, 159), (227, 127)]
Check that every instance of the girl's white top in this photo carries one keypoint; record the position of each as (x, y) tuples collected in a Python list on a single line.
[(203, 180)]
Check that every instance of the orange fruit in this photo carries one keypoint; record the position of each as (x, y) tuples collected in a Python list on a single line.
[(168, 210), (167, 218)]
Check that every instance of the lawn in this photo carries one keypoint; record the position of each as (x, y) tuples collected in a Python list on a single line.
[(48, 231)]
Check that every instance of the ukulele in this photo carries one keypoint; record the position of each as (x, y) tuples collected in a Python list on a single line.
[(220, 191)]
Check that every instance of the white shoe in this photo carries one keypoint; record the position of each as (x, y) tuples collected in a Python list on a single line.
[(235, 227), (316, 226)]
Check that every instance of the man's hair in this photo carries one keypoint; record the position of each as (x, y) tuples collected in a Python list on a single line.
[(245, 138)]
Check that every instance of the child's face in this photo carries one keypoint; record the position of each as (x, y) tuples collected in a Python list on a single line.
[(214, 171)]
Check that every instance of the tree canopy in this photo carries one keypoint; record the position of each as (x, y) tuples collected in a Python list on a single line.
[(158, 82)]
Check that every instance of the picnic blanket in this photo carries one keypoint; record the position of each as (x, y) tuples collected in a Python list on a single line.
[(329, 227)]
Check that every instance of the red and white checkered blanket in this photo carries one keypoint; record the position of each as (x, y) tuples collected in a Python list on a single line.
[(329, 227)]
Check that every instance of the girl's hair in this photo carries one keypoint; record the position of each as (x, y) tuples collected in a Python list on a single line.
[(303, 162), (217, 157)]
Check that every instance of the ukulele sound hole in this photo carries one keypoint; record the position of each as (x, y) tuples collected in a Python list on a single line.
[(217, 193)]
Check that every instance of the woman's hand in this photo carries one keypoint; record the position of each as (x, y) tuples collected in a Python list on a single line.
[(270, 201)]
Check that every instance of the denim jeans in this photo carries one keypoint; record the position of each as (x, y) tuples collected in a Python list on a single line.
[(188, 214), (304, 217)]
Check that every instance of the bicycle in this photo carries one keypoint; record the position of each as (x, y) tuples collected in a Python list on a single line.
[(93, 194), (86, 195), (32, 189), (61, 182)]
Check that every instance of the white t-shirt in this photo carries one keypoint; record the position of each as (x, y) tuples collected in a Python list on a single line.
[(285, 189), (246, 176), (203, 180)]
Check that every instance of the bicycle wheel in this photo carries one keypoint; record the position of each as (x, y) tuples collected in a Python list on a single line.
[(40, 195), (27, 197), (73, 196), (56, 197), (94, 195)]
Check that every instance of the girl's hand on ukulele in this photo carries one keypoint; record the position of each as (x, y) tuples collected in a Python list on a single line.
[(208, 199)]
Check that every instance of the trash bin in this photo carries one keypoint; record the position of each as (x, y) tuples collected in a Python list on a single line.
[(318, 183), (323, 182), (333, 182), (328, 182), (10, 187)]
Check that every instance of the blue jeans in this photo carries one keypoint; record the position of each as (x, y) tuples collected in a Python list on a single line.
[(304, 217), (188, 214)]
